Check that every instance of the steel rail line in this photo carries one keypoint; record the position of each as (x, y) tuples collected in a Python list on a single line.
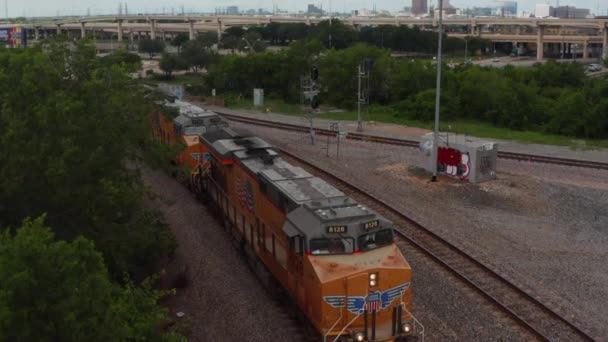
[(413, 143), (536, 317)]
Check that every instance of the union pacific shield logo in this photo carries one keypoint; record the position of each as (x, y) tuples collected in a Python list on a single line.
[(374, 301)]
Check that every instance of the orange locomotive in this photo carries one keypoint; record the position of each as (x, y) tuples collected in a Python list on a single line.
[(335, 257)]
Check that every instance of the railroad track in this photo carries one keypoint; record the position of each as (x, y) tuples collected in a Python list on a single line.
[(412, 143), (547, 324)]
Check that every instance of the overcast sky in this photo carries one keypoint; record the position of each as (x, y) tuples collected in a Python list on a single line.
[(31, 8)]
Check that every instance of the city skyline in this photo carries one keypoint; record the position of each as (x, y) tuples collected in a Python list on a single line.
[(34, 8)]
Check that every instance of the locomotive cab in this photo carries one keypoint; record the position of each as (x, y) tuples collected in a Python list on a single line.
[(360, 281)]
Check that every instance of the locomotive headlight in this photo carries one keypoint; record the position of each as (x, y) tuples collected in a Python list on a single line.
[(373, 279), (359, 336), (407, 328)]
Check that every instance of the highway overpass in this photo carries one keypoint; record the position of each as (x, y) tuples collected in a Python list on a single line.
[(538, 32)]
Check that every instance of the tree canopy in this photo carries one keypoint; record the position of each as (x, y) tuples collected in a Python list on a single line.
[(60, 291), (151, 46), (553, 97), (69, 127)]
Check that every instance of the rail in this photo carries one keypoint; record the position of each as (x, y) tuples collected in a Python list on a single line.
[(412, 143), (536, 317)]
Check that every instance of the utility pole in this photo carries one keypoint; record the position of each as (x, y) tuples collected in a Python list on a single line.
[(363, 72), (330, 17), (438, 97), (359, 124), (6, 9)]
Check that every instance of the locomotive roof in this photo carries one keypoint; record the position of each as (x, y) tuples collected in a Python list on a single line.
[(227, 147), (315, 205), (313, 218), (308, 189), (225, 133), (189, 110), (292, 181)]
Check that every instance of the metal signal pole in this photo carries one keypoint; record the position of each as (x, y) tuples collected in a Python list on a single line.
[(359, 124), (438, 97)]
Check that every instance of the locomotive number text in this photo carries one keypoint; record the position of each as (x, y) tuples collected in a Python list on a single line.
[(371, 225), (336, 229)]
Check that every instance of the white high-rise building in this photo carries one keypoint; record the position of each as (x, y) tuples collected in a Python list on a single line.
[(542, 10)]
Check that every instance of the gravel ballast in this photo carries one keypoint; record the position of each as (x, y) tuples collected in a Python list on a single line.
[(224, 301)]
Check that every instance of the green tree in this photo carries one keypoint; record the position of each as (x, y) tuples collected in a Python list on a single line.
[(231, 42), (60, 291), (179, 40), (197, 55), (66, 151), (235, 31), (130, 61), (151, 46), (338, 73), (335, 35), (169, 63), (207, 39)]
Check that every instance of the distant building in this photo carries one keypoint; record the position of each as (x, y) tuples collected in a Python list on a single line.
[(312, 9), (570, 12), (542, 10), (420, 7), (232, 10), (479, 12), (505, 8)]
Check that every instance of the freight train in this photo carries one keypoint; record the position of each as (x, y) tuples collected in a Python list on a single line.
[(334, 257)]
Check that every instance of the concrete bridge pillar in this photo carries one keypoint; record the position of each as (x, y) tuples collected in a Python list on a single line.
[(586, 50), (58, 29), (220, 30), (540, 42), (131, 36), (605, 43), (152, 29), (476, 30), (308, 23), (83, 32), (36, 33), (191, 30), (119, 24), (518, 30)]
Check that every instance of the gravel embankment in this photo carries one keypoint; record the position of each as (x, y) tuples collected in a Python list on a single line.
[(224, 300), (543, 225)]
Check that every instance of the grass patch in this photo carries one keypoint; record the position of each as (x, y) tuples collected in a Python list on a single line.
[(387, 115)]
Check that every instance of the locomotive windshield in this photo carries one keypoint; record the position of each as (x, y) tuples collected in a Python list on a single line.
[(325, 246), (375, 239)]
